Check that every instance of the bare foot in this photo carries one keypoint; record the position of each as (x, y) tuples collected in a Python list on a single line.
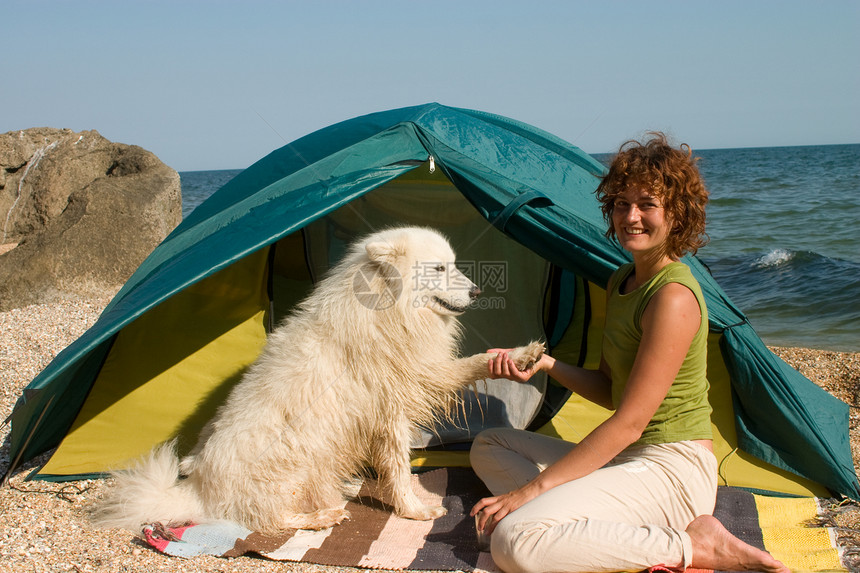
[(715, 548)]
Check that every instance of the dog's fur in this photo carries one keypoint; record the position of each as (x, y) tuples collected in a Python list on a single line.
[(341, 385)]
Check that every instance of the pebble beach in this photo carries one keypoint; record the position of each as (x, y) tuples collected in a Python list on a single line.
[(44, 526)]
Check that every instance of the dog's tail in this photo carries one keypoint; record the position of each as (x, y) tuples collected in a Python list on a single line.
[(149, 492)]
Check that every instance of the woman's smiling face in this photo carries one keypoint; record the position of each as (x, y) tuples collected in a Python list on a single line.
[(640, 221)]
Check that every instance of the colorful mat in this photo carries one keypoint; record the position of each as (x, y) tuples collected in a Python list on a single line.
[(375, 538)]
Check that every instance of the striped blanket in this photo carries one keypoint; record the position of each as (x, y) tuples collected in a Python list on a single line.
[(374, 538)]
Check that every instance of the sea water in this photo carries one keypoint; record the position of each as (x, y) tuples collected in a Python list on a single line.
[(783, 245), (782, 233)]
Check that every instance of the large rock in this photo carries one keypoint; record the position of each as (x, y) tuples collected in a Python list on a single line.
[(78, 214)]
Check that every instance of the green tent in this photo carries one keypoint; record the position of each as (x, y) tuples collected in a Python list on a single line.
[(519, 208)]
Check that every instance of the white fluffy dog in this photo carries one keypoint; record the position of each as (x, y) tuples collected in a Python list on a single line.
[(340, 386)]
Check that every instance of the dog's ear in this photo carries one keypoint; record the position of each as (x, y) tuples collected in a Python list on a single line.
[(383, 251)]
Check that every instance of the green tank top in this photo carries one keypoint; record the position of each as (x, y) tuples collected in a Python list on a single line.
[(685, 413)]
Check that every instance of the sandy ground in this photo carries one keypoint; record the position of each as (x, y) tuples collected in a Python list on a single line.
[(44, 526)]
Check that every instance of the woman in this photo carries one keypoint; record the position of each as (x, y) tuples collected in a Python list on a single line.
[(639, 490)]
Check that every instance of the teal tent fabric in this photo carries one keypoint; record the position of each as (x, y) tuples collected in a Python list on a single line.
[(534, 186)]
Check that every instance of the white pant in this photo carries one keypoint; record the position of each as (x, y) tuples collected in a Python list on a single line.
[(627, 516)]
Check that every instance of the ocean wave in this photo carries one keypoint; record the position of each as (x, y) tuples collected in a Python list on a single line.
[(775, 258), (797, 297)]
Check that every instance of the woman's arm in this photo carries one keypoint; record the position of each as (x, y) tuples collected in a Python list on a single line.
[(669, 324)]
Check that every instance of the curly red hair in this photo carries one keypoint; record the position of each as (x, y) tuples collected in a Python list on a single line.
[(672, 175)]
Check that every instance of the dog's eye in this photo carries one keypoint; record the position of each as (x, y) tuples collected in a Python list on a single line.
[(440, 268)]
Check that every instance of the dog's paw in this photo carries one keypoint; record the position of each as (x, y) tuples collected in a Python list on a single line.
[(424, 512), (336, 515), (525, 357), (316, 520)]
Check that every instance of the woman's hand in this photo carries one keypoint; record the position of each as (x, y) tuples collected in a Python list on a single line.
[(502, 366), (493, 509)]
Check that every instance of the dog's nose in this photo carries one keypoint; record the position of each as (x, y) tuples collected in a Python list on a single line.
[(474, 291)]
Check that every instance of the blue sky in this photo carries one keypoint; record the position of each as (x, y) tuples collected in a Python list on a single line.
[(218, 85)]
